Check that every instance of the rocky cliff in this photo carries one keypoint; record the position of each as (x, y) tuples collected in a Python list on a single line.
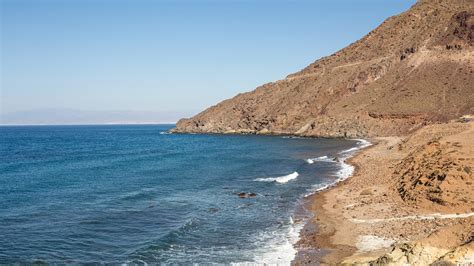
[(415, 68)]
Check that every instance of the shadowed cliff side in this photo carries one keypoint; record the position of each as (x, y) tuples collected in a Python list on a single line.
[(416, 68)]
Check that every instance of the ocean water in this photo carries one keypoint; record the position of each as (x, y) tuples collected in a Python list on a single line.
[(135, 193)]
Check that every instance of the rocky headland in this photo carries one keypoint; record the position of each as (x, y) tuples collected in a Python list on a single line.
[(416, 68)]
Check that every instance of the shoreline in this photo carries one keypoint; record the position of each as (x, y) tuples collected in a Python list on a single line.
[(314, 204), (364, 219), (346, 171), (302, 215)]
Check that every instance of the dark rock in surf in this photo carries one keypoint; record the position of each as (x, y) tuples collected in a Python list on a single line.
[(245, 195)]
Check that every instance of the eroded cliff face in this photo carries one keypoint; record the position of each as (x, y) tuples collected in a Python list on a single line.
[(415, 68)]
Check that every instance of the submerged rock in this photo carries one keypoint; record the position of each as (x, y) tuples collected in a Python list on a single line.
[(213, 210), (245, 195)]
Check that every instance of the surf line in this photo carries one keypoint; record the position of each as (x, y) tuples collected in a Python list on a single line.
[(346, 170)]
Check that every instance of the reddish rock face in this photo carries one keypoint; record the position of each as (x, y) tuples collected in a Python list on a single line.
[(416, 68)]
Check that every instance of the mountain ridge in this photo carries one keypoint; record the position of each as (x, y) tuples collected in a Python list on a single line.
[(416, 68)]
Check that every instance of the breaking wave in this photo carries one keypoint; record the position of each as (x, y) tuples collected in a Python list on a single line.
[(279, 246), (346, 170), (320, 159), (280, 179)]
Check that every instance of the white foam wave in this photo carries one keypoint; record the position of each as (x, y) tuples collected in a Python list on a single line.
[(319, 159), (349, 150), (346, 170), (281, 179), (279, 248), (361, 143), (317, 188)]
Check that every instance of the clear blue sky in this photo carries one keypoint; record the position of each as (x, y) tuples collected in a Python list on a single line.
[(166, 55)]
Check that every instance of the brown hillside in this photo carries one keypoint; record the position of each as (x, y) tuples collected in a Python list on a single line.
[(438, 174), (415, 68)]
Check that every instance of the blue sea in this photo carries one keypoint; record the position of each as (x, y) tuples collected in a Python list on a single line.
[(138, 194)]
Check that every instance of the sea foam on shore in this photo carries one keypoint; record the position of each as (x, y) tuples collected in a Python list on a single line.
[(284, 253), (346, 170), (276, 253)]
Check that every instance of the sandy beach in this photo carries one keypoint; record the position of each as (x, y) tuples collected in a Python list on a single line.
[(410, 200)]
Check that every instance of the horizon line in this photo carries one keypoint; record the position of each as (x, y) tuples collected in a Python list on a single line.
[(92, 124)]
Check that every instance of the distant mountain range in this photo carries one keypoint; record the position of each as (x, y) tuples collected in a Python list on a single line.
[(416, 68), (71, 116)]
